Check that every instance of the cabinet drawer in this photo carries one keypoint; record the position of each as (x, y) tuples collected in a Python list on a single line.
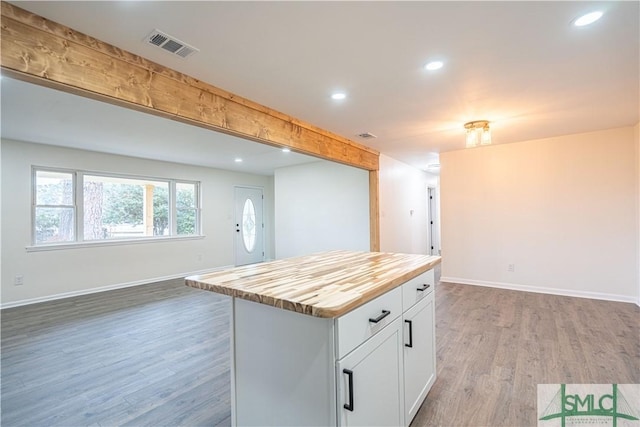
[(354, 328), (410, 292)]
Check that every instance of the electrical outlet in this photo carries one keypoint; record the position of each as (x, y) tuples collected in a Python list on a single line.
[(18, 280), (511, 268)]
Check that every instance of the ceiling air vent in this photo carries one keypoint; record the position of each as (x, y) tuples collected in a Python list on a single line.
[(367, 135), (170, 44)]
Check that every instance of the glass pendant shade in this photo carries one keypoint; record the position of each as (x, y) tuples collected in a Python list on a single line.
[(478, 133)]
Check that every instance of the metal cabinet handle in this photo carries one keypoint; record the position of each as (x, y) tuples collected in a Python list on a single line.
[(384, 314), (423, 288), (410, 345), (349, 406)]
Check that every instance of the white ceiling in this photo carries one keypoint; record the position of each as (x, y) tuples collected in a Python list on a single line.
[(38, 114), (520, 65)]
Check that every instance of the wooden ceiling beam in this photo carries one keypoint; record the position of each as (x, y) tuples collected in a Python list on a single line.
[(47, 53)]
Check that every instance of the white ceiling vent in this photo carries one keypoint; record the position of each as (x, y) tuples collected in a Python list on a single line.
[(367, 135), (170, 44)]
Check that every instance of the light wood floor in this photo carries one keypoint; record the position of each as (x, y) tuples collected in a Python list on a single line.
[(494, 346), (153, 355), (158, 355)]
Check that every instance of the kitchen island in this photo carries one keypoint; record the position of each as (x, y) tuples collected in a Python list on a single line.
[(336, 338)]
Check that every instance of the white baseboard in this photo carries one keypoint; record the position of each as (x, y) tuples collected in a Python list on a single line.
[(106, 288), (501, 285), (542, 290)]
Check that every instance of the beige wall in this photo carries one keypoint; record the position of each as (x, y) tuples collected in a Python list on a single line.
[(637, 139), (562, 210)]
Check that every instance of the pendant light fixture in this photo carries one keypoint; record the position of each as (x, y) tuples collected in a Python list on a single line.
[(478, 133)]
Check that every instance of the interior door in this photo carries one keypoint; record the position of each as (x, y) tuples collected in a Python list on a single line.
[(249, 225), (434, 245)]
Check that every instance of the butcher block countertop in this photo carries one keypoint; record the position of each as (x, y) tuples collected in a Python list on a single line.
[(327, 284)]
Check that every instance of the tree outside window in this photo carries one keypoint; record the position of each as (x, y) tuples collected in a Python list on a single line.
[(113, 207), (54, 207)]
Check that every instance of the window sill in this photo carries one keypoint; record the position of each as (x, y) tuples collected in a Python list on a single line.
[(100, 243)]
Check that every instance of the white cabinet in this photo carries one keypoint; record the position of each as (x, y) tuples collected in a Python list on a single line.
[(373, 383), (283, 367), (419, 360), (294, 369), (370, 385), (419, 341)]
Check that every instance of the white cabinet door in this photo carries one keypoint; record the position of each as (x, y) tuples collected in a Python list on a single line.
[(370, 381), (419, 354)]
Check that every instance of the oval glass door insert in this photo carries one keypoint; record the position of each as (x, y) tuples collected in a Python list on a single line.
[(249, 225)]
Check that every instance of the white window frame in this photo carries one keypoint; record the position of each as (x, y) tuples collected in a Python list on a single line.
[(35, 205), (78, 205)]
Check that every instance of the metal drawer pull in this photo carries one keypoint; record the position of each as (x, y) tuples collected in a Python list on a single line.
[(423, 288), (349, 406), (410, 345), (384, 314)]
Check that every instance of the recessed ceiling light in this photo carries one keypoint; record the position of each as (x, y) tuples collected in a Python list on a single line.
[(339, 95), (434, 65), (286, 150), (238, 160), (587, 19)]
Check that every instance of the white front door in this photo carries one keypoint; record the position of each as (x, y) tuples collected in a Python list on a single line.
[(249, 225)]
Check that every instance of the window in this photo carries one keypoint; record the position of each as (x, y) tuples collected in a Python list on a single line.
[(186, 208), (55, 211), (249, 225), (78, 206), (119, 208)]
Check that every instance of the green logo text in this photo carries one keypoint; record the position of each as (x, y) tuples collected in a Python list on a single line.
[(565, 405)]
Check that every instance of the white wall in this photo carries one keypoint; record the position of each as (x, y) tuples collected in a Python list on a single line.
[(320, 206), (1, 262), (56, 272), (562, 210), (403, 207)]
